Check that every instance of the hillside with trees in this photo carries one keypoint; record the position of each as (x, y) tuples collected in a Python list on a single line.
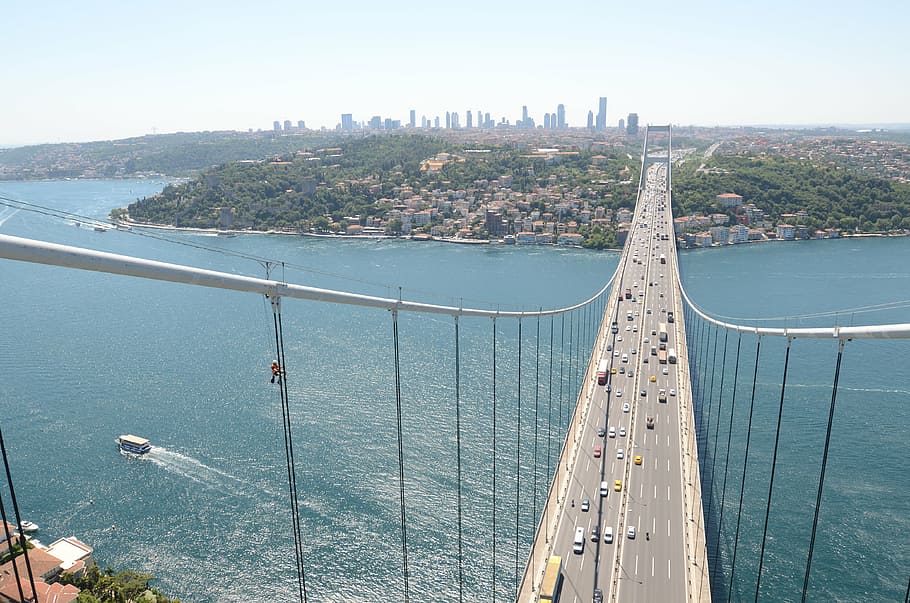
[(833, 198), (326, 189)]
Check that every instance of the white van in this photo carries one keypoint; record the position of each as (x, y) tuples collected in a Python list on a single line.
[(604, 488), (608, 534), (625, 358), (579, 546)]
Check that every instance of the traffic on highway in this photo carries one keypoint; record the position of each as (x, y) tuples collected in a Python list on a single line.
[(622, 535)]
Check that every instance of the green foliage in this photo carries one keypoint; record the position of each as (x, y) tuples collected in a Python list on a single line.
[(367, 176), (109, 587), (779, 185)]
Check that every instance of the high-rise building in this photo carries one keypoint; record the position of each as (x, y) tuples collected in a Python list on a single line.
[(448, 120), (456, 123), (423, 121), (590, 120), (469, 121), (276, 125), (413, 121), (347, 121), (546, 121), (561, 116), (436, 122), (487, 122), (553, 120), (287, 125), (622, 126), (524, 116), (632, 124), (601, 123), (376, 122), (301, 125)]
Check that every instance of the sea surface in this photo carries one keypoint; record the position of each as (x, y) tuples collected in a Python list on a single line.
[(85, 357)]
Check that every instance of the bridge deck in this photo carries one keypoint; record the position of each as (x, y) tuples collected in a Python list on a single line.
[(660, 498)]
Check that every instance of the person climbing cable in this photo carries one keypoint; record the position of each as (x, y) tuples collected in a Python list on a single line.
[(276, 371)]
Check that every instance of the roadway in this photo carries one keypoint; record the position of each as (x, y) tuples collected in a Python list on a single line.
[(651, 565)]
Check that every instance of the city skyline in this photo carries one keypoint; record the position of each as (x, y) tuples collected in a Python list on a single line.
[(100, 71)]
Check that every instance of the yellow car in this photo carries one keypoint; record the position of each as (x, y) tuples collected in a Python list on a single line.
[(617, 485), (613, 371), (653, 378), (638, 460)]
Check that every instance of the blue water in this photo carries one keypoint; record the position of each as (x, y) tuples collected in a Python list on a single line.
[(86, 357), (864, 520)]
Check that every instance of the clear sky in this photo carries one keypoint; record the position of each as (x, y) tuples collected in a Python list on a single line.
[(93, 70)]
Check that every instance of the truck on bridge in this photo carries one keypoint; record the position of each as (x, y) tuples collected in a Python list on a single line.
[(602, 368), (662, 331), (662, 355), (552, 578)]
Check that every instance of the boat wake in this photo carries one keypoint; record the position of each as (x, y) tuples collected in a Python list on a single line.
[(197, 471), (7, 213)]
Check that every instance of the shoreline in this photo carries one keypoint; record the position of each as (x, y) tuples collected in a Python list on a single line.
[(427, 238)]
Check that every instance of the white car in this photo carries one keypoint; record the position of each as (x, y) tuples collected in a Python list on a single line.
[(628, 327), (619, 393), (620, 454), (612, 432), (626, 407), (672, 392), (622, 432), (665, 371), (631, 533)]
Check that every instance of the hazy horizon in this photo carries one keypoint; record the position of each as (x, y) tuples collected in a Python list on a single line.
[(99, 71)]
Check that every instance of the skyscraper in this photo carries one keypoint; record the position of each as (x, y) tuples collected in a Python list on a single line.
[(632, 124), (590, 120), (347, 121), (546, 121), (276, 125), (448, 119), (469, 120), (602, 114), (413, 121), (560, 116), (524, 116)]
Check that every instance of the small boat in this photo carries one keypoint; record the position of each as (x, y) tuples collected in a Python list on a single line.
[(133, 445), (28, 526)]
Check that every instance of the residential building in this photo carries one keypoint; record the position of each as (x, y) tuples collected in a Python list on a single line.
[(739, 234), (786, 232), (728, 200), (720, 234)]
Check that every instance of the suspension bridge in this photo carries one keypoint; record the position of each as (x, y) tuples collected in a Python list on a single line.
[(641, 466)]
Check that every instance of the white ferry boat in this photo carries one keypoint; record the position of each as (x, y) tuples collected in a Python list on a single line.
[(130, 444)]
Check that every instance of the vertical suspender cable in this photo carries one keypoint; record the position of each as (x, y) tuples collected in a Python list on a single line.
[(404, 523), (710, 407), (550, 404), (742, 487), (821, 475), (710, 481), (723, 490), (12, 495), (289, 445), (518, 461), (495, 535), (562, 364), (536, 422), (458, 456), (780, 412)]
